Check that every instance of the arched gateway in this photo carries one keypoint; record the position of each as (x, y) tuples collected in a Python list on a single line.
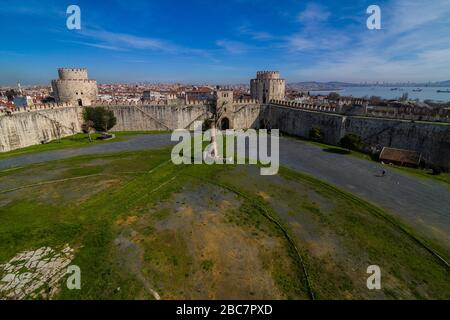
[(224, 124)]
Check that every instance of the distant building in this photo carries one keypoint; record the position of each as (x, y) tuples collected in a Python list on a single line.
[(400, 157), (200, 93), (152, 95), (23, 101)]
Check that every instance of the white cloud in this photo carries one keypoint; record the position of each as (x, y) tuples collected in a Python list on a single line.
[(233, 47), (125, 41), (412, 14), (298, 42), (255, 35), (98, 38), (313, 14), (414, 45)]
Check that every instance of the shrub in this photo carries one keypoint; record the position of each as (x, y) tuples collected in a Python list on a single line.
[(351, 141), (375, 100), (334, 96), (436, 170), (316, 134)]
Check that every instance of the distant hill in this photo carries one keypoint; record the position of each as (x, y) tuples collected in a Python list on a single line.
[(315, 85), (443, 83)]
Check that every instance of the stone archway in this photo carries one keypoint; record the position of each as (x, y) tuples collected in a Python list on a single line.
[(224, 123)]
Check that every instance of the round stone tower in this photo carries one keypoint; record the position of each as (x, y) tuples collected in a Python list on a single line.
[(75, 87), (267, 86)]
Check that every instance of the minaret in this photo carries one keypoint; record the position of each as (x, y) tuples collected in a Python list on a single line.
[(19, 88)]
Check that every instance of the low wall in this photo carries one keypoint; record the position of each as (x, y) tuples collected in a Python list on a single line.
[(31, 126), (157, 117), (139, 117), (23, 129), (298, 122), (430, 139)]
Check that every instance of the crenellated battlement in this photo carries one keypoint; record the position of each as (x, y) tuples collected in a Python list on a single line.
[(101, 103), (245, 101), (267, 75), (438, 116), (195, 102), (319, 107), (72, 73), (165, 102), (37, 107), (72, 69), (346, 102), (78, 80), (271, 80), (305, 106)]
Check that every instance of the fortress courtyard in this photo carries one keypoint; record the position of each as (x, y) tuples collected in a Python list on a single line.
[(140, 227)]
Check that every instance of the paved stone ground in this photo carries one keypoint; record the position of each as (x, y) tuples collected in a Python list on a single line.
[(34, 274), (422, 203)]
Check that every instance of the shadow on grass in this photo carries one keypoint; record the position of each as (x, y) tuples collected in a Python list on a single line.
[(336, 150)]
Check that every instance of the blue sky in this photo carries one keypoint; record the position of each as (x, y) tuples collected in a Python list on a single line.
[(225, 41)]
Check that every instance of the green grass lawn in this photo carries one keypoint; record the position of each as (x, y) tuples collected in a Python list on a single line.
[(139, 223), (76, 141), (426, 174), (81, 140)]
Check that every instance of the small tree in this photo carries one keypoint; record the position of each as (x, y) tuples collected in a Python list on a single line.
[(315, 134), (375, 100), (334, 96), (351, 141), (102, 119), (436, 170)]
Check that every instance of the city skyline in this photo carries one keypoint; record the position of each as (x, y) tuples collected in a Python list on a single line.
[(204, 42)]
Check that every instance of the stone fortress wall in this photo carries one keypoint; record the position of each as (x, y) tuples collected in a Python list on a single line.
[(143, 116), (74, 86), (33, 125), (430, 139), (38, 124)]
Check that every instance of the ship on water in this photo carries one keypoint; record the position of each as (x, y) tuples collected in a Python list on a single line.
[(443, 91)]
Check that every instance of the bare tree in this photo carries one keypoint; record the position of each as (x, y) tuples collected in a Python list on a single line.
[(88, 127)]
